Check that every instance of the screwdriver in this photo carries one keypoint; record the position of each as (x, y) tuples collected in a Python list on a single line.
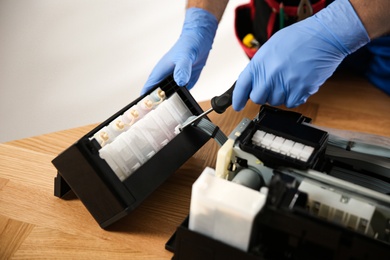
[(219, 104)]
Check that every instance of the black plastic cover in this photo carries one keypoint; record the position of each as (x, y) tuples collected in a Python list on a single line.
[(287, 124)]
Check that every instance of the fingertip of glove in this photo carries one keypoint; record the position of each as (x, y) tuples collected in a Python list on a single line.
[(146, 88), (143, 91), (238, 105), (295, 103), (181, 77), (237, 108), (241, 92), (150, 83)]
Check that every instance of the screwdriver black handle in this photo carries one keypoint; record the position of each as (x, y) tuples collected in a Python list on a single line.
[(222, 102)]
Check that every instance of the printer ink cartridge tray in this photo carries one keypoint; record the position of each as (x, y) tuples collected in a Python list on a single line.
[(283, 138), (113, 168)]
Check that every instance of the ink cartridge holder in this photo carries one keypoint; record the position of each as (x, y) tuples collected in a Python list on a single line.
[(113, 168), (283, 138)]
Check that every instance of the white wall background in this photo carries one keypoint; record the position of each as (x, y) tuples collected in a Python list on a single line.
[(69, 63)]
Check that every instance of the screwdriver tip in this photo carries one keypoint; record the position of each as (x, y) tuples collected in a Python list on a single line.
[(194, 119)]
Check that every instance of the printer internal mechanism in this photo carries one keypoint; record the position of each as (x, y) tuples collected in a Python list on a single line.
[(274, 195)]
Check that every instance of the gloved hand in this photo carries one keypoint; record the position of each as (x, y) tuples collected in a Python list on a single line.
[(188, 56), (297, 60)]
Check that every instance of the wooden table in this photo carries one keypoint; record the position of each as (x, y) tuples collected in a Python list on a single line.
[(36, 224)]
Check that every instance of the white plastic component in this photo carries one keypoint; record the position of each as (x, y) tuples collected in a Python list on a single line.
[(333, 206), (127, 156), (172, 110), (110, 154), (103, 137), (106, 155), (283, 146), (162, 125), (277, 143), (224, 159), (258, 137), (141, 132), (146, 104), (305, 153), (135, 137), (157, 96), (223, 210), (178, 109), (286, 147), (131, 116), (296, 150), (116, 127), (152, 130), (117, 151), (267, 140), (178, 129), (168, 118), (119, 125)]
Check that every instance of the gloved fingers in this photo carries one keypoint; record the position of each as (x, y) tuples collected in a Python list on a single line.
[(182, 71), (277, 95), (294, 102), (242, 90), (260, 84), (162, 70), (194, 77), (300, 95)]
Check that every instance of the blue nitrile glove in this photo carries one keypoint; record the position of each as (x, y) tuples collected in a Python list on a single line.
[(378, 72), (188, 56), (297, 60)]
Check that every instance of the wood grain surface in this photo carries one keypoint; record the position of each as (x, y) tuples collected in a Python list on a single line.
[(34, 224)]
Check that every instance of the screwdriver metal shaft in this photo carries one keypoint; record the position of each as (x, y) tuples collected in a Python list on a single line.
[(219, 104), (196, 118)]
